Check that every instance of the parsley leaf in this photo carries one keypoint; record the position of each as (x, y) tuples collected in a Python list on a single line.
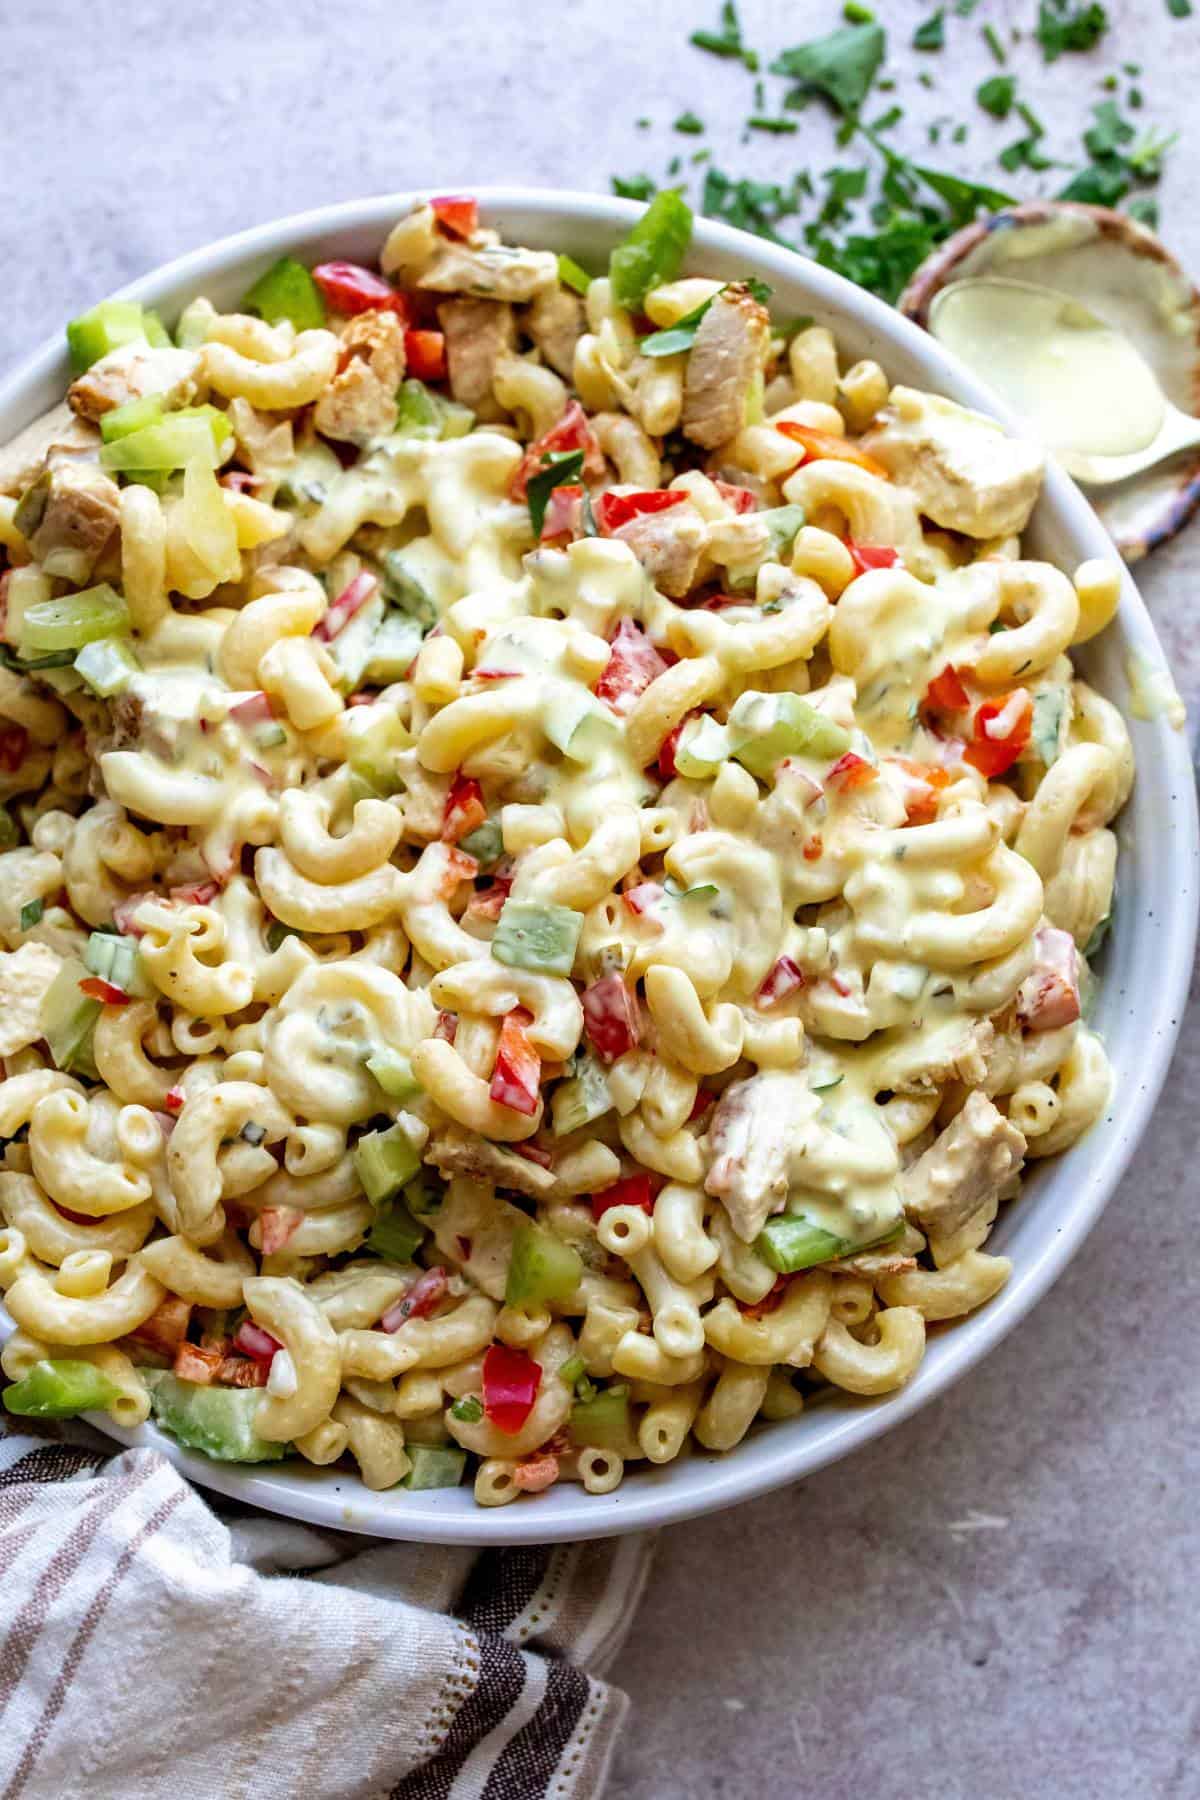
[(1064, 26), (689, 123), (932, 34), (841, 66), (997, 94), (561, 468), (1109, 132), (682, 335), (964, 198), (1144, 208), (1103, 184), (1178, 9), (728, 41), (633, 187)]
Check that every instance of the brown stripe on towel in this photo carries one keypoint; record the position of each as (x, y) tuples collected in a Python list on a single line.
[(497, 1690), (526, 1765)]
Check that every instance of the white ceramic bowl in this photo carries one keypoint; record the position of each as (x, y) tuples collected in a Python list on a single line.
[(1145, 967)]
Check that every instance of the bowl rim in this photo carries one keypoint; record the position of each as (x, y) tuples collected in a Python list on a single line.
[(341, 1502)]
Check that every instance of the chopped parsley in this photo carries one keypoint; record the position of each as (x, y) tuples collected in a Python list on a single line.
[(996, 95), (561, 468), (841, 66), (932, 34), (781, 127), (993, 43), (728, 41), (1062, 25), (1179, 9), (634, 187), (689, 123), (31, 914)]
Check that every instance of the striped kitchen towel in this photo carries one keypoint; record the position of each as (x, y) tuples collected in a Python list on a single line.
[(152, 1647)]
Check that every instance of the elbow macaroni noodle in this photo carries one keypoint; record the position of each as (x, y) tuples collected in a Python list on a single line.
[(620, 956)]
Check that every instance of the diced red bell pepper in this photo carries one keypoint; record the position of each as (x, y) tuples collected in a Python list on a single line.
[(518, 1067), (610, 1017), (533, 1153), (851, 771), (423, 1297), (1049, 995), (352, 599), (668, 747), (615, 510), (14, 745), (464, 810), (783, 979), (97, 989), (459, 868), (456, 213), (425, 355), (632, 665), (946, 692), (276, 1224), (534, 1474), (871, 556), (641, 898), (124, 910), (166, 1328), (255, 710), (826, 445), (174, 1100), (511, 1380), (571, 431), (925, 782), (632, 1190), (242, 1372), (196, 1364), (252, 1341), (563, 513), (1001, 729), (192, 893), (742, 500), (349, 288)]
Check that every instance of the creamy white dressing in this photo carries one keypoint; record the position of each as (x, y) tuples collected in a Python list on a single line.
[(1078, 383), (1152, 691)]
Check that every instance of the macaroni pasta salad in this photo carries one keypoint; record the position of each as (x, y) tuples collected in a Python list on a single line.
[(552, 842)]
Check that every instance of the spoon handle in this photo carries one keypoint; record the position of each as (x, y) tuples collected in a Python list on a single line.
[(1179, 431)]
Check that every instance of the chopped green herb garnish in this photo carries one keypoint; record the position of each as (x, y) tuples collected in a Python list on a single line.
[(841, 66), (689, 123), (1178, 9), (728, 41), (781, 127), (31, 914), (996, 95), (993, 43), (468, 1409), (560, 468), (1061, 25), (854, 14), (633, 187), (1144, 208), (932, 34), (572, 276)]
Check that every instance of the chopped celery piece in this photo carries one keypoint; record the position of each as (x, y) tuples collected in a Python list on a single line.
[(107, 665), (782, 523), (422, 1195), (393, 1071), (434, 1466), (361, 787), (654, 250), (197, 433), (68, 1019), (217, 1420), (572, 275), (602, 1423), (772, 726), (31, 914), (351, 649), (584, 1097), (286, 291), (544, 938), (395, 1235), (268, 737), (117, 960), (485, 843), (406, 591), (393, 648), (421, 413), (1046, 727), (703, 746), (469, 1409), (106, 327), (157, 335), (8, 830), (384, 1161), (571, 1370), (133, 416), (75, 620), (542, 1267), (790, 1241), (60, 1387)]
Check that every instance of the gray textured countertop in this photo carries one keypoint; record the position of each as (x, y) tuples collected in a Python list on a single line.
[(997, 1600)]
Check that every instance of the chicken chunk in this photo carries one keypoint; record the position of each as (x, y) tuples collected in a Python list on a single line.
[(555, 322), (962, 470), (1048, 998), (491, 271), (25, 975), (669, 546), (478, 333), (359, 404), (457, 1152), (474, 1230), (68, 515), (964, 1169), (130, 373), (934, 1055), (751, 1139), (730, 347), (22, 460)]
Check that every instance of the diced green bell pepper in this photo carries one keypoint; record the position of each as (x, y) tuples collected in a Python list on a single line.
[(196, 433), (434, 1466), (68, 1019), (767, 727), (60, 1387), (421, 413), (654, 250), (108, 665), (543, 938), (602, 1423), (395, 1235), (384, 1161), (542, 1267), (582, 1098), (403, 588), (394, 1073), (75, 620), (393, 648), (572, 275), (135, 415), (115, 959), (485, 843), (106, 327), (286, 291), (217, 1420)]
